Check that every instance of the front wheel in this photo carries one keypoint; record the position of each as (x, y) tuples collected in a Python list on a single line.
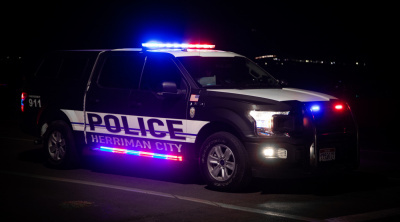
[(59, 146), (224, 162)]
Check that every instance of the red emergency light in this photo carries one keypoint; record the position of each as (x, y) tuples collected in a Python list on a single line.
[(339, 107)]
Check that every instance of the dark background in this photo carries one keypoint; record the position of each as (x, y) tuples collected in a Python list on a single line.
[(357, 36), (297, 29)]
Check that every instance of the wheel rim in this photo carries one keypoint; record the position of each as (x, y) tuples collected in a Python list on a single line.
[(221, 162), (56, 146)]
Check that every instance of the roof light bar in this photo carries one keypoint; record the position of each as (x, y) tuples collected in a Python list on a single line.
[(155, 45), (139, 153)]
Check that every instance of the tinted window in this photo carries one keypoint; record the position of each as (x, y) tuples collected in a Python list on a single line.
[(121, 70), (49, 67), (160, 69), (227, 72), (72, 68)]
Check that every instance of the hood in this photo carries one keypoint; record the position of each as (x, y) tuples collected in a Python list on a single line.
[(284, 94)]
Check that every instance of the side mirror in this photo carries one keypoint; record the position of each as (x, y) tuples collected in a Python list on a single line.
[(169, 87), (170, 90)]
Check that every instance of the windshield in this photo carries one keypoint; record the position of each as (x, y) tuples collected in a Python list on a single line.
[(227, 72)]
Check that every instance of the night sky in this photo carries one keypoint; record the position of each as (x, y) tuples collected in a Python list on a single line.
[(298, 29)]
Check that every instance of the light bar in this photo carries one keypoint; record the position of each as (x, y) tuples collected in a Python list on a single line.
[(155, 45), (139, 153)]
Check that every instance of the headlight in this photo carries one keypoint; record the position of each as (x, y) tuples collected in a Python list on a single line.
[(264, 121)]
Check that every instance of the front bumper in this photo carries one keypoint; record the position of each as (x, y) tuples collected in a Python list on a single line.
[(322, 143), (305, 157)]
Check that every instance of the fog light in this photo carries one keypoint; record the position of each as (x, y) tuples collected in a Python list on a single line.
[(271, 152), (268, 152)]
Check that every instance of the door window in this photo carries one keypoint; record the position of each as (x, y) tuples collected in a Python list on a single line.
[(121, 70), (159, 69)]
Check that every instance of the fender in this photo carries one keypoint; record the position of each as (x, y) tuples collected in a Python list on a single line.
[(232, 110), (50, 114), (241, 126), (241, 123)]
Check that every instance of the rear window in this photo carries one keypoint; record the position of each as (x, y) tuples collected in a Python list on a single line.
[(49, 67), (64, 66), (73, 68)]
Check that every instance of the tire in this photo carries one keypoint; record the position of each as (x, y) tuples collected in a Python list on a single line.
[(59, 146), (224, 162)]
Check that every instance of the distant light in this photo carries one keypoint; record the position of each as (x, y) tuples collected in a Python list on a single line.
[(265, 56)]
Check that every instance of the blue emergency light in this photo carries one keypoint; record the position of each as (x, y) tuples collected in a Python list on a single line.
[(335, 107), (315, 108)]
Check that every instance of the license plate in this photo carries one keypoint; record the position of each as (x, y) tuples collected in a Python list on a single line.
[(326, 154)]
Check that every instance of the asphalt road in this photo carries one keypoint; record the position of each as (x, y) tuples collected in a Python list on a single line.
[(119, 189)]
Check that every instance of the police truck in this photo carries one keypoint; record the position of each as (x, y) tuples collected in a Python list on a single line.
[(185, 103)]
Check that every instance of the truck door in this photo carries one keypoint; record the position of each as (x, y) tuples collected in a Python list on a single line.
[(137, 102), (162, 100), (116, 75), (163, 91)]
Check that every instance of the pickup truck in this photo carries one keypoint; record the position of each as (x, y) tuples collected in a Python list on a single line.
[(185, 103)]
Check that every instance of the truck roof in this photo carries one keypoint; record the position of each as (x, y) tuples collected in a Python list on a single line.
[(187, 52)]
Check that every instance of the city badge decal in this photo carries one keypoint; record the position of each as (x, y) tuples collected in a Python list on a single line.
[(192, 112)]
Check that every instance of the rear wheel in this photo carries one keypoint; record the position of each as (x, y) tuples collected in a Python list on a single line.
[(224, 162), (59, 146)]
